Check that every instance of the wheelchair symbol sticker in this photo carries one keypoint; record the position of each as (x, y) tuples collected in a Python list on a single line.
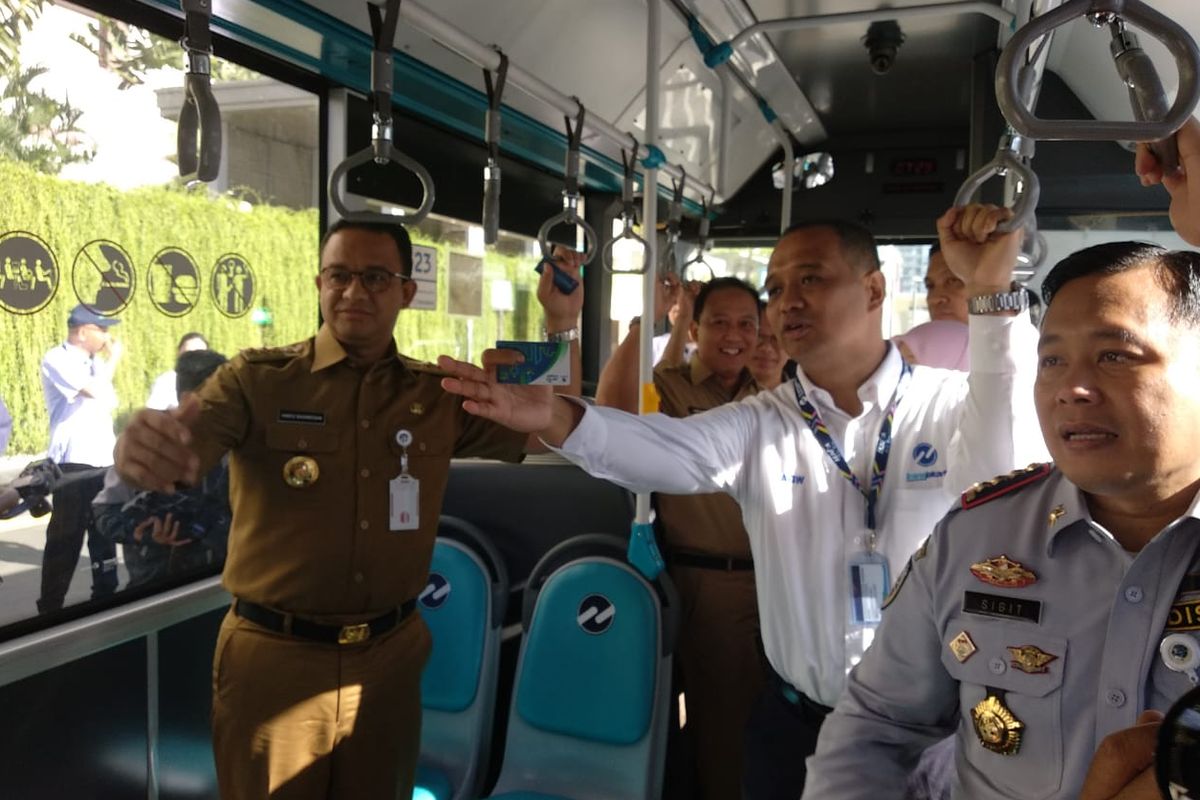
[(232, 285), (174, 281), (103, 277), (436, 591), (28, 273), (596, 614)]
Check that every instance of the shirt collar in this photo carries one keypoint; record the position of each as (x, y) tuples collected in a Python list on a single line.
[(329, 351), (1069, 511), (875, 392)]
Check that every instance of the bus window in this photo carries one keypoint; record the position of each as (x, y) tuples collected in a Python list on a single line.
[(110, 266)]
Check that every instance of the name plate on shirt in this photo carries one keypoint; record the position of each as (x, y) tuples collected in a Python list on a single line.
[(997, 605)]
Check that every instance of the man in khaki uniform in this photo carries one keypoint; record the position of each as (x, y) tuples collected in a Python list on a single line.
[(340, 450), (708, 550)]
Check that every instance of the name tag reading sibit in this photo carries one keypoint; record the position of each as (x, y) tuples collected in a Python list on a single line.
[(869, 584)]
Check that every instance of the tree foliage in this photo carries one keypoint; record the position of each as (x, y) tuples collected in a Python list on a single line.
[(16, 18), (36, 128)]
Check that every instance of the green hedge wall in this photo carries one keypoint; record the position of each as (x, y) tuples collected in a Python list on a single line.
[(280, 245)]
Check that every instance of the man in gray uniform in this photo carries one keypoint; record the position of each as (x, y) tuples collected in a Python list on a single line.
[(1060, 601)]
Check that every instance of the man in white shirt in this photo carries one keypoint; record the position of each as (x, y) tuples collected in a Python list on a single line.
[(840, 473), (80, 398), (162, 391), (5, 426)]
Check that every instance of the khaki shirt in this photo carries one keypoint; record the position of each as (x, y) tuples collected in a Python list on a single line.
[(700, 523), (326, 548)]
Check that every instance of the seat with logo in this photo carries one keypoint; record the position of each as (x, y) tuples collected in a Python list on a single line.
[(590, 702), (463, 604)]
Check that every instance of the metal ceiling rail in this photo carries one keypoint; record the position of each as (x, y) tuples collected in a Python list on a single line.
[(723, 52), (488, 58)]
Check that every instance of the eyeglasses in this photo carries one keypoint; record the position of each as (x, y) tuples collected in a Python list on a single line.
[(374, 280)]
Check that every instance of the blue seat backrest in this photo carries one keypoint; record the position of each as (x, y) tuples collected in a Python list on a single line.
[(455, 605), (588, 668)]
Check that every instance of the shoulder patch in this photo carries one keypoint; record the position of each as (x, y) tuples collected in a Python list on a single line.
[(983, 492), (258, 355), (917, 556), (423, 367)]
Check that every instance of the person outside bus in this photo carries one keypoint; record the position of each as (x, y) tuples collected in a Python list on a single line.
[(77, 383)]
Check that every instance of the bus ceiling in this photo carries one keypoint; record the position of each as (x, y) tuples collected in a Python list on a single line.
[(740, 81)]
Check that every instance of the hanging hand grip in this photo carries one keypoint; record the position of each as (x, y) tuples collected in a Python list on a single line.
[(382, 151), (1176, 38), (1025, 205), (199, 125)]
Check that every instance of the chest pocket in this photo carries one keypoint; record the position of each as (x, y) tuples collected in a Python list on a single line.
[(1031, 695), (300, 438)]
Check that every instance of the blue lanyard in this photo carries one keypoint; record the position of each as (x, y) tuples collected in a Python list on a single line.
[(883, 447)]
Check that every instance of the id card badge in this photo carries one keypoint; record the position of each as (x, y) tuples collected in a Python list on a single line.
[(870, 582), (404, 503)]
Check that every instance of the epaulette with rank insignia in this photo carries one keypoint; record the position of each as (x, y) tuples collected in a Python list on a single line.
[(258, 355), (424, 367), (981, 493)]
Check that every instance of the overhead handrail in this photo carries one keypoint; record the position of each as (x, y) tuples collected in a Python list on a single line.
[(674, 225), (1177, 40), (200, 116), (570, 213), (701, 245), (381, 149), (491, 172), (628, 217), (1013, 158)]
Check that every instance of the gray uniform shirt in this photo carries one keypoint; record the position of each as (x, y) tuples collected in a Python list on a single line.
[(1099, 611)]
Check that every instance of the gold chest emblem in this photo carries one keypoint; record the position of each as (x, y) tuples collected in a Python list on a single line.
[(1033, 660), (996, 726), (301, 472), (1004, 572), (962, 647), (1055, 515)]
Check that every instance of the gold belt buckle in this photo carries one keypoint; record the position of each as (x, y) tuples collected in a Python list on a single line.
[(353, 634)]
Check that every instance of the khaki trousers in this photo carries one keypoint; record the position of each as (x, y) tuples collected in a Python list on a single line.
[(295, 719), (723, 673)]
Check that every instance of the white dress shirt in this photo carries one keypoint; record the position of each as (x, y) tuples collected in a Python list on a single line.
[(81, 426), (805, 520)]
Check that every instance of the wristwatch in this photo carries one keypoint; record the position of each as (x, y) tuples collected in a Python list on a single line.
[(1016, 300), (569, 335)]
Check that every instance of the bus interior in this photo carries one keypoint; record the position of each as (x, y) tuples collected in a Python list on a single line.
[(657, 135)]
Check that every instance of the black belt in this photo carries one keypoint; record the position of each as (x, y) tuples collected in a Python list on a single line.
[(703, 561), (319, 632), (809, 709)]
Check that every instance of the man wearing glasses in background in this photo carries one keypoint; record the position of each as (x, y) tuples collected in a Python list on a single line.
[(340, 451)]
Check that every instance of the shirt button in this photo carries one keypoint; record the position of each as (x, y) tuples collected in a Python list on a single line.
[(359, 577), (366, 473), (364, 524), (997, 666), (1134, 594), (366, 423), (302, 444), (1115, 698)]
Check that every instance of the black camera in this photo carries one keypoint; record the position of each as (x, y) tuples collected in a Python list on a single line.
[(1178, 753), (199, 515), (34, 486), (883, 42)]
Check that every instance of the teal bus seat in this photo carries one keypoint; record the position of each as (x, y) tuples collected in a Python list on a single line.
[(590, 701), (463, 604)]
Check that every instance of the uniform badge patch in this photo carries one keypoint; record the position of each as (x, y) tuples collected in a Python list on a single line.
[(981, 493), (962, 647), (1031, 659), (301, 472), (1055, 515), (1002, 571), (416, 409), (997, 727), (917, 556)]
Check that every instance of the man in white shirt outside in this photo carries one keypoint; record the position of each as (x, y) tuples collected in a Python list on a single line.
[(80, 398), (840, 473)]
